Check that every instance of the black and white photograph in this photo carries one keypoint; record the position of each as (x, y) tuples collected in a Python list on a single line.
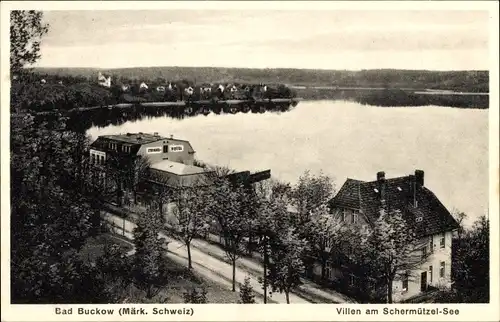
[(184, 155)]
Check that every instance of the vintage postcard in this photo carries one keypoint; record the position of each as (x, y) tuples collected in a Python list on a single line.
[(183, 160)]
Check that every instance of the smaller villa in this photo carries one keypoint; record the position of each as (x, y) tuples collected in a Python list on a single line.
[(358, 203)]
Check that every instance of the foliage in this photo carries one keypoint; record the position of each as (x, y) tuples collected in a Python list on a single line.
[(190, 212), (388, 251), (286, 265), (26, 31), (310, 193), (474, 81), (50, 218), (228, 211), (471, 262), (324, 233), (195, 297), (149, 271), (246, 292)]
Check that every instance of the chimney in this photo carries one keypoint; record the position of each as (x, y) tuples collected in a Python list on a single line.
[(419, 177), (171, 136), (156, 134), (381, 184), (413, 190)]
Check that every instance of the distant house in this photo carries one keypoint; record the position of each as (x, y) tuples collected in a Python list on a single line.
[(104, 80), (160, 88), (143, 86), (358, 203), (125, 87), (43, 81)]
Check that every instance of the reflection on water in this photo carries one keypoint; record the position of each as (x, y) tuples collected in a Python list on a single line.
[(345, 140)]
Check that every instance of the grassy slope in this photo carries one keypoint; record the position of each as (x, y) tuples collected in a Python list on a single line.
[(181, 280), (474, 81)]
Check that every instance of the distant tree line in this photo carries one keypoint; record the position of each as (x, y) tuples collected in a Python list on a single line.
[(466, 81)]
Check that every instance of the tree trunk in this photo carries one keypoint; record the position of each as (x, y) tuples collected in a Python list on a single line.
[(265, 273), (234, 272), (287, 294), (389, 290), (323, 268), (189, 255)]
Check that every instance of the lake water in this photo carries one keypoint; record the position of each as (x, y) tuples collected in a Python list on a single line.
[(345, 140)]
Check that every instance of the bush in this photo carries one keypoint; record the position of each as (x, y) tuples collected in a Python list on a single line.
[(246, 292), (195, 297)]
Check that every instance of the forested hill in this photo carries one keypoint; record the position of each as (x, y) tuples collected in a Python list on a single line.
[(469, 81)]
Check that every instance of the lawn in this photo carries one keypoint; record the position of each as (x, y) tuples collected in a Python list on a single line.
[(94, 247), (181, 279)]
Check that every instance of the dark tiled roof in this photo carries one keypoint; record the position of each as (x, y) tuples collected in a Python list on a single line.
[(365, 196)]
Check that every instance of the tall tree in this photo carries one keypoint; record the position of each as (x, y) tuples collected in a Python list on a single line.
[(149, 270), (272, 216), (227, 210), (49, 217), (471, 263), (390, 250), (324, 232), (26, 31), (286, 262), (191, 216), (311, 192)]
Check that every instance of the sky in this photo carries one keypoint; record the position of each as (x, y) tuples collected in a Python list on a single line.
[(328, 39)]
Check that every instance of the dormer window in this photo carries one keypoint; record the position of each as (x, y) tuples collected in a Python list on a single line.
[(354, 218), (112, 146), (419, 219), (126, 148)]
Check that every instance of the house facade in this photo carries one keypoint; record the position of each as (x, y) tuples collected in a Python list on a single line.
[(358, 204), (169, 161)]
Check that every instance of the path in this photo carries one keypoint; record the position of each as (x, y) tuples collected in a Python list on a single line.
[(209, 266)]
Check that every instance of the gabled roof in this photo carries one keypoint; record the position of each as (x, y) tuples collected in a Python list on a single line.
[(365, 197), (177, 168)]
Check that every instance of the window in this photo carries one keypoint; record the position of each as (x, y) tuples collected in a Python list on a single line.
[(344, 215), (165, 148), (126, 148), (430, 274), (419, 219), (431, 245), (354, 218), (92, 158), (405, 282), (102, 159), (441, 269), (442, 244)]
